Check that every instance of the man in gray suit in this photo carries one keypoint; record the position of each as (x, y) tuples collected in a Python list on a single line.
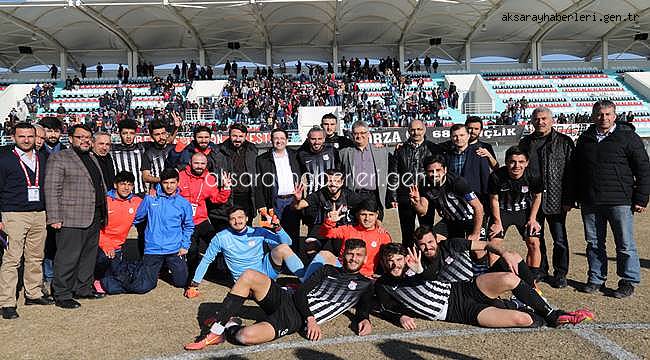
[(76, 208), (365, 166)]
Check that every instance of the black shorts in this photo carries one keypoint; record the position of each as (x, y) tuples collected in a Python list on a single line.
[(466, 301), (281, 311), (519, 220)]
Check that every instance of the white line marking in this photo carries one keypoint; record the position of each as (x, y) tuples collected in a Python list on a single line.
[(584, 331), (605, 344)]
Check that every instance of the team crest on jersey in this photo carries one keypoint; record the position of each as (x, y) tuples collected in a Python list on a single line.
[(449, 260), (131, 210), (251, 243), (352, 285), (373, 244), (524, 189), (326, 157)]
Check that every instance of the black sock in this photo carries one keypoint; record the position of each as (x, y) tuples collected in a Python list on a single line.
[(526, 274), (230, 307), (526, 294)]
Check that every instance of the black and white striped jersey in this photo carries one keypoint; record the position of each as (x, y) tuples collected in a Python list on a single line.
[(514, 194), (331, 291), (129, 158), (452, 262), (314, 165), (153, 159), (413, 295), (451, 200)]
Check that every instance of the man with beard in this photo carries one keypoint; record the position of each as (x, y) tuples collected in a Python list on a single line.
[(127, 155), (405, 292), (75, 199), (22, 173), (153, 159), (406, 168), (464, 160), (475, 127), (313, 303), (317, 204), (202, 143), (239, 155), (198, 185), (102, 149), (316, 159), (53, 129)]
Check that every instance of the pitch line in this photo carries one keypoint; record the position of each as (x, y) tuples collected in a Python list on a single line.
[(586, 331)]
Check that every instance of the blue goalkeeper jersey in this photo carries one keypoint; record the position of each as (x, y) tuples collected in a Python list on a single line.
[(242, 251)]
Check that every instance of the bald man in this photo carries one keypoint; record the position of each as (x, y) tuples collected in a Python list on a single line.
[(406, 168)]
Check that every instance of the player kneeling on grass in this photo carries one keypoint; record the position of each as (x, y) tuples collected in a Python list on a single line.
[(404, 292), (243, 249), (122, 207), (516, 197), (327, 294), (166, 240)]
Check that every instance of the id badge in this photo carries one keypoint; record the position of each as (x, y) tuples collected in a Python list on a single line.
[(194, 206), (33, 193)]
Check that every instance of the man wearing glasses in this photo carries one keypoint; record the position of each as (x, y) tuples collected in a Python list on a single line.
[(75, 198), (365, 166)]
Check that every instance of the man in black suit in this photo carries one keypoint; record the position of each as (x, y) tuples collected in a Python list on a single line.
[(278, 174)]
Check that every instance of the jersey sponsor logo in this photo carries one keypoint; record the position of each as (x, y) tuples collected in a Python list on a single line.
[(283, 332), (352, 285), (331, 277)]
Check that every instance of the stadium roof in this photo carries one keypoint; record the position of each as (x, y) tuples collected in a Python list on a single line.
[(167, 31)]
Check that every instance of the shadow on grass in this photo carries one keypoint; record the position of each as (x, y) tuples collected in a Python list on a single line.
[(310, 354), (645, 263), (400, 350)]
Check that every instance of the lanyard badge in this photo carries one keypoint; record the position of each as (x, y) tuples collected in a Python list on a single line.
[(33, 190)]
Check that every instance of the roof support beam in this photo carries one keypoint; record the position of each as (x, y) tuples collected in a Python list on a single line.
[(112, 27), (548, 26), (335, 33), (614, 30), (409, 21), (261, 24), (38, 32)]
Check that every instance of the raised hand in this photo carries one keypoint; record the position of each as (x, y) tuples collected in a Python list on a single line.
[(298, 191), (335, 214), (414, 260), (226, 179), (414, 193)]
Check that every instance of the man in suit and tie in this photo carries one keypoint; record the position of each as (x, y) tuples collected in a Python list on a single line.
[(365, 166), (75, 198)]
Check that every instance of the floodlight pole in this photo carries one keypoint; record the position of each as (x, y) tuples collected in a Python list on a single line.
[(604, 61)]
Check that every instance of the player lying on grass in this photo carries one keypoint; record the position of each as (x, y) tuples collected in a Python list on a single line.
[(449, 260), (403, 292), (243, 248), (328, 293)]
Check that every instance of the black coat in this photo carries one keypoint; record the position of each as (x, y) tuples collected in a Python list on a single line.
[(266, 188), (615, 171), (408, 160), (550, 160)]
